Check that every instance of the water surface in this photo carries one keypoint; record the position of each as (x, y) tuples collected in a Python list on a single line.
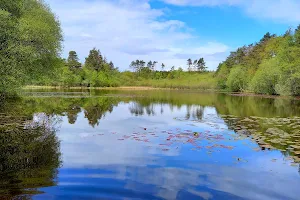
[(80, 144)]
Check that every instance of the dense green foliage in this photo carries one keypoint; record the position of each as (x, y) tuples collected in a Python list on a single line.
[(271, 66), (97, 72), (31, 38), (235, 81), (30, 41)]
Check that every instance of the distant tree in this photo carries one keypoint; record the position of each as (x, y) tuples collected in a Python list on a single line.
[(195, 63), (137, 65), (288, 33), (297, 36), (150, 64), (142, 63), (73, 61), (189, 63), (153, 65), (201, 65), (94, 61), (105, 60), (133, 65), (111, 65), (162, 66), (267, 37)]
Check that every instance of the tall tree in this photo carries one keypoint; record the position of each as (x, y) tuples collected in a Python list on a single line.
[(201, 65), (73, 60), (153, 65), (195, 63), (267, 37), (30, 40), (162, 66), (142, 63), (111, 65), (137, 65), (189, 63), (297, 36), (133, 65), (94, 61), (150, 64)]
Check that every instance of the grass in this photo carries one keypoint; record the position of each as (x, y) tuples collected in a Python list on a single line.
[(203, 81), (199, 81)]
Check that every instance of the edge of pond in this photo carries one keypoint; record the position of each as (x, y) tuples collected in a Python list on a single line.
[(143, 88)]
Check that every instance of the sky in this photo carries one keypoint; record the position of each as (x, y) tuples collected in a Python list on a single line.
[(169, 31)]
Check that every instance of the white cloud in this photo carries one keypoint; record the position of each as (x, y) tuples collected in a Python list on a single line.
[(284, 11), (126, 30)]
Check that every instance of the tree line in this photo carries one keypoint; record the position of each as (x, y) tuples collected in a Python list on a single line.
[(140, 65), (270, 66), (96, 71), (31, 38)]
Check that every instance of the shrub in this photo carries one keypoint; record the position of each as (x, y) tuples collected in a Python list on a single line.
[(237, 79), (266, 78)]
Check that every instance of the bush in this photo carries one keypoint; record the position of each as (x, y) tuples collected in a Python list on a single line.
[(289, 85), (222, 75), (266, 78), (237, 80), (295, 84)]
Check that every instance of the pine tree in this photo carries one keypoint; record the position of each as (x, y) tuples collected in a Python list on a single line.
[(94, 61), (201, 65), (73, 61)]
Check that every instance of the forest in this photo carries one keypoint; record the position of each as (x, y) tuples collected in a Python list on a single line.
[(270, 66), (31, 45)]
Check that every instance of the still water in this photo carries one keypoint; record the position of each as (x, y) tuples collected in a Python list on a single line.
[(76, 144)]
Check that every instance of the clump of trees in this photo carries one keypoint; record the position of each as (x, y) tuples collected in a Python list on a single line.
[(196, 65), (30, 39), (95, 72), (149, 70), (270, 66)]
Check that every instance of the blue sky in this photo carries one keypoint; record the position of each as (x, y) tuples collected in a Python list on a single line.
[(170, 31)]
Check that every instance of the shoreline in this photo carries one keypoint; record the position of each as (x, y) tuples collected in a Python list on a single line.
[(145, 88), (96, 88)]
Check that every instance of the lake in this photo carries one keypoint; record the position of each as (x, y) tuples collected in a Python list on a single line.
[(160, 144)]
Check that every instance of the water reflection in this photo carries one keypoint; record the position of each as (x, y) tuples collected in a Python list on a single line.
[(151, 145), (29, 154), (204, 182)]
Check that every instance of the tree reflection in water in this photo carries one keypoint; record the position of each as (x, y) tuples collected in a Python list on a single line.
[(137, 108), (29, 154)]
